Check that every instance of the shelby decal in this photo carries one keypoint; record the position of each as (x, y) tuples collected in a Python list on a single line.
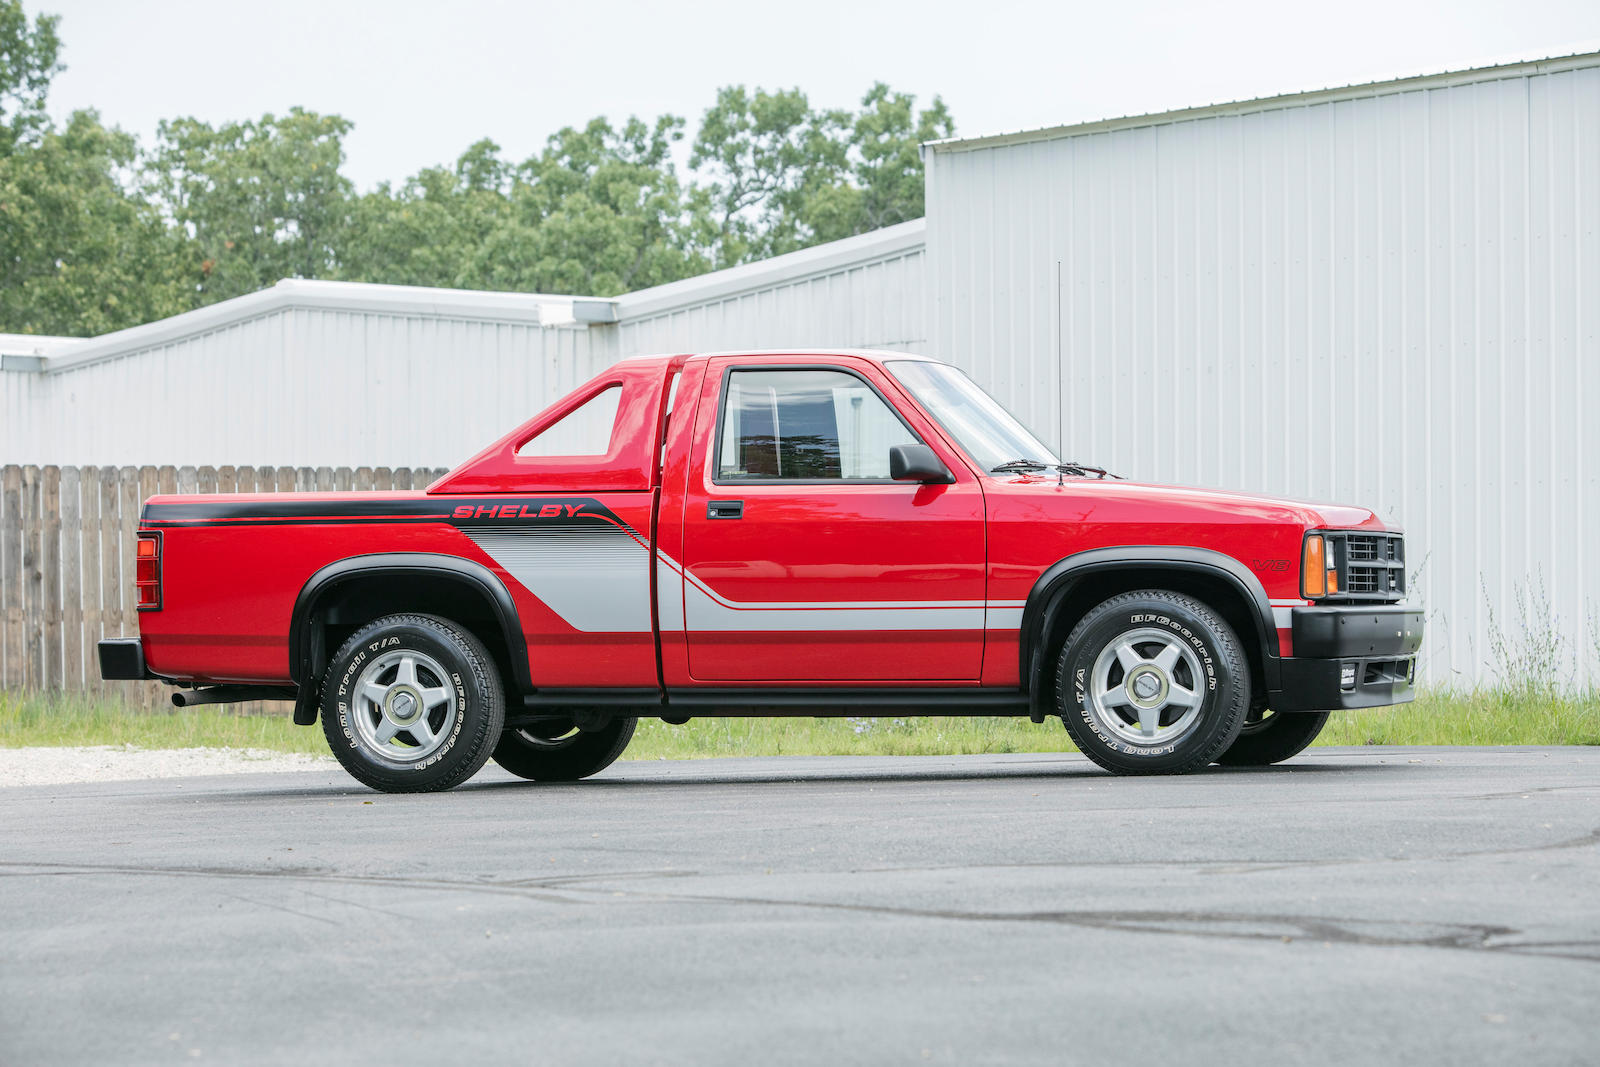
[(519, 511)]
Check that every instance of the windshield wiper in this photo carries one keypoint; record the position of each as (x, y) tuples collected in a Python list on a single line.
[(1072, 467), (1083, 470)]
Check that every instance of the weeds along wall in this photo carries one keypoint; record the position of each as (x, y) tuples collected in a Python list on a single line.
[(1386, 295)]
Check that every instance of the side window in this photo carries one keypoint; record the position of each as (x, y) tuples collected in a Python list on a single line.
[(584, 431), (806, 425)]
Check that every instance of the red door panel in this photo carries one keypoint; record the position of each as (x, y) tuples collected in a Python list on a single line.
[(826, 582)]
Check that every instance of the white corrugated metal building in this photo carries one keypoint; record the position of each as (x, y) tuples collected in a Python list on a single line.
[(343, 374), (1387, 294)]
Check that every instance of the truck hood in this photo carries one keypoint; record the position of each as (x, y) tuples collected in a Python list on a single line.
[(1202, 504)]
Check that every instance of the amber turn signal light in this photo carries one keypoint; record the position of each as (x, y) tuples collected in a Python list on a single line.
[(1314, 571)]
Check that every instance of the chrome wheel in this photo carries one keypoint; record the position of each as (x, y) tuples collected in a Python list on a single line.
[(404, 708), (1146, 688)]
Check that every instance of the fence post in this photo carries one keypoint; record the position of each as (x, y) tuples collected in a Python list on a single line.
[(11, 625), (110, 559), (89, 534), (73, 676), (33, 576), (50, 578)]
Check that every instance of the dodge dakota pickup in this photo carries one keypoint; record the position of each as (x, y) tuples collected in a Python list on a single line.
[(788, 533)]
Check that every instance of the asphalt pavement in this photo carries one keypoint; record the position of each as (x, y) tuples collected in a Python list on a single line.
[(1372, 905)]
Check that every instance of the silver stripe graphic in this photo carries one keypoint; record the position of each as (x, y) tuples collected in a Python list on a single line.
[(707, 610), (669, 595), (1002, 618), (596, 577)]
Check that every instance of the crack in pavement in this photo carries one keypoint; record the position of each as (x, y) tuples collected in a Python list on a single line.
[(1225, 925)]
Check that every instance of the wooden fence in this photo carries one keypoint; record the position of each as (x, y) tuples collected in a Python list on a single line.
[(66, 559)]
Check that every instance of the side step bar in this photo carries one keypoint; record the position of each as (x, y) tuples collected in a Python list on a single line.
[(821, 703), (231, 694)]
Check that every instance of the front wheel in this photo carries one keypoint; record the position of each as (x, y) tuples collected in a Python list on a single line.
[(1273, 738), (1152, 682), (557, 751)]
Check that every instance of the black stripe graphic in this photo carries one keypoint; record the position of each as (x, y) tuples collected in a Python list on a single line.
[(463, 512)]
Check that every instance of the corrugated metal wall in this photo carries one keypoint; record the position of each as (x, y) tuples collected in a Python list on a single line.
[(1390, 299), (875, 302), (319, 386), (296, 387)]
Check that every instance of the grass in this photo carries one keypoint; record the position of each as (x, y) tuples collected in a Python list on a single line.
[(1506, 716)]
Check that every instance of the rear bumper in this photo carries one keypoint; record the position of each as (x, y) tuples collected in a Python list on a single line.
[(122, 660), (1349, 657)]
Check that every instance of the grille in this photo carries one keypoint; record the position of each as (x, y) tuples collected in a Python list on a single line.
[(1362, 580), (1370, 566), (1362, 548)]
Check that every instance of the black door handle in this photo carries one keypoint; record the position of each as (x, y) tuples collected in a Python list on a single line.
[(725, 509)]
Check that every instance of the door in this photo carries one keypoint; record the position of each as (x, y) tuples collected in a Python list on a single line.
[(802, 562)]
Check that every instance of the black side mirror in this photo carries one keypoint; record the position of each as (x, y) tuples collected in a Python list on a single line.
[(917, 463)]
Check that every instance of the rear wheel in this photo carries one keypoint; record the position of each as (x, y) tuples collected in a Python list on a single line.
[(412, 705), (1273, 737), (1152, 682), (557, 751)]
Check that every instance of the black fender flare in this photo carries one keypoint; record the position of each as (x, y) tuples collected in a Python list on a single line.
[(469, 573), (1052, 587)]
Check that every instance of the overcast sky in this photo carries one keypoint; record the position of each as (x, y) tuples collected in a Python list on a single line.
[(422, 80)]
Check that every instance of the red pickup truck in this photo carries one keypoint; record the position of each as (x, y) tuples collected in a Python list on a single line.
[(794, 533)]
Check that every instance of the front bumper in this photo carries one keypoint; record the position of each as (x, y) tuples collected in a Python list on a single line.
[(1349, 657)]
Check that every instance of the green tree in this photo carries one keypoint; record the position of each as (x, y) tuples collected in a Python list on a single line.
[(885, 178), (80, 255), (29, 58), (765, 154), (599, 211), (429, 230), (258, 201), (782, 175)]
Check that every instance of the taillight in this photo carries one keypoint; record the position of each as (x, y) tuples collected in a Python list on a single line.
[(147, 572)]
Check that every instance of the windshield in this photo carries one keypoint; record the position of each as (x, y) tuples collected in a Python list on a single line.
[(988, 432)]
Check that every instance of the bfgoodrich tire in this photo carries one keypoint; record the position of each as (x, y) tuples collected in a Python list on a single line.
[(1273, 738), (411, 704), (557, 751), (1152, 682)]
